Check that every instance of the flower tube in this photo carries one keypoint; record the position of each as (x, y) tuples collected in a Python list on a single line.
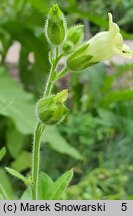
[(102, 46)]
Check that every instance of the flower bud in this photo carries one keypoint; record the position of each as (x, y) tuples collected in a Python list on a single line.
[(67, 47), (51, 110), (79, 60), (55, 26), (73, 37)]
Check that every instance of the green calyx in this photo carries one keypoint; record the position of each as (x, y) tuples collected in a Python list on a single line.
[(73, 37), (51, 110), (55, 26), (79, 60)]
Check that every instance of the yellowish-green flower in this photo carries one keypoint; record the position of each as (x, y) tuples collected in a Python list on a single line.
[(102, 46), (106, 44)]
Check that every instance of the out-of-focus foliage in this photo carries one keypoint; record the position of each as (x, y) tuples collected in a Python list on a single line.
[(122, 10), (99, 184), (96, 138), (20, 21)]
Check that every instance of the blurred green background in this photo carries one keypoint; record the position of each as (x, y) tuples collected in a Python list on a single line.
[(96, 139)]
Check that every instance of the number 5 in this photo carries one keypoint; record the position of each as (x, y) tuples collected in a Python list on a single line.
[(124, 206)]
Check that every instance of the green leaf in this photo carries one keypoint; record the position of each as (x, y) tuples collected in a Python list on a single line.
[(2, 153), (27, 194), (130, 197), (41, 5), (59, 186), (45, 182), (116, 121), (21, 111), (58, 143), (119, 95), (40, 68), (16, 174), (6, 184), (22, 162), (15, 141), (3, 194), (20, 103), (94, 18)]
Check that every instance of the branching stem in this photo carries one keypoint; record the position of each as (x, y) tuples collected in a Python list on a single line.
[(40, 129)]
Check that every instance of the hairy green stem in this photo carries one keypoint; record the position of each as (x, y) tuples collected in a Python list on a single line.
[(39, 130), (61, 74), (36, 157), (52, 75), (50, 83)]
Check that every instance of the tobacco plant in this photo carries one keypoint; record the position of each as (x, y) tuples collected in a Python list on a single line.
[(66, 43)]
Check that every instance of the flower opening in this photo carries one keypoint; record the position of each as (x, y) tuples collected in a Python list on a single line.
[(106, 44)]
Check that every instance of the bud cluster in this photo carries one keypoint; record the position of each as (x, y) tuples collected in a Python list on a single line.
[(58, 34), (81, 55)]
